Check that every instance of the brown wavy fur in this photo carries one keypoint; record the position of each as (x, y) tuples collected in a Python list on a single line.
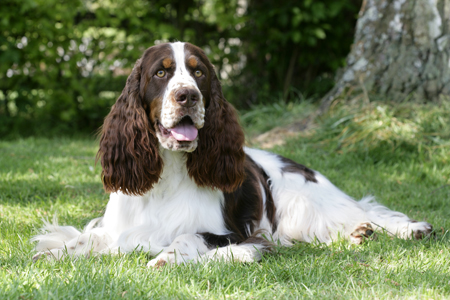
[(128, 143), (219, 158)]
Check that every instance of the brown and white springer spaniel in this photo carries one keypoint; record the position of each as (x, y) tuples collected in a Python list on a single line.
[(184, 188)]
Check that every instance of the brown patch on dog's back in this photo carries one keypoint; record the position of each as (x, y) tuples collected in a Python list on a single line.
[(293, 167)]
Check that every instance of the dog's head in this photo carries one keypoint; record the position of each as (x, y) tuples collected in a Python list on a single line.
[(172, 100)]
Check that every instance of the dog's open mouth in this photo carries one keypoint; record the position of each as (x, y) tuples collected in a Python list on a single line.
[(184, 131)]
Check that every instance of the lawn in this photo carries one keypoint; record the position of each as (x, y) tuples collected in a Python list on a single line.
[(398, 152)]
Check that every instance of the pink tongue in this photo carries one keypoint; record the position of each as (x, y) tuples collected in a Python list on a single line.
[(184, 132)]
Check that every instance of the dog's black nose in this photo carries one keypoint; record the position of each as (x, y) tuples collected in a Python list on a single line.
[(187, 97)]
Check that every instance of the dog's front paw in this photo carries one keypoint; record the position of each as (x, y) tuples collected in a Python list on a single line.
[(165, 258), (42, 255), (157, 263), (54, 254)]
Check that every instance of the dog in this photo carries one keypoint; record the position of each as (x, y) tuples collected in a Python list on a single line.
[(185, 188)]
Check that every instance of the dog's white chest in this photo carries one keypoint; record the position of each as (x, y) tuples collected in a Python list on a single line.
[(175, 206)]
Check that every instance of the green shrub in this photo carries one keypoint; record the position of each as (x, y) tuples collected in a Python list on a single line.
[(62, 64)]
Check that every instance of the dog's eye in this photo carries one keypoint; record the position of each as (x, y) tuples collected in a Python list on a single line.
[(161, 73), (198, 73)]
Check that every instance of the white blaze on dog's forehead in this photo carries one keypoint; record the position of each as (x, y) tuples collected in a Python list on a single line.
[(182, 77), (178, 52)]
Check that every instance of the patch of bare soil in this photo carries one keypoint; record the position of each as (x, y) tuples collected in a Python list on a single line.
[(278, 135)]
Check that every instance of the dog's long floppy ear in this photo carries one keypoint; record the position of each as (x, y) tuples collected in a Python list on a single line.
[(128, 143), (219, 158)]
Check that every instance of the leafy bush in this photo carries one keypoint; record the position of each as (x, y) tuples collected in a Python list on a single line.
[(294, 44), (62, 64)]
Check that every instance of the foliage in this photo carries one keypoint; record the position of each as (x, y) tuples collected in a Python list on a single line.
[(63, 63), (47, 177), (52, 70), (295, 44)]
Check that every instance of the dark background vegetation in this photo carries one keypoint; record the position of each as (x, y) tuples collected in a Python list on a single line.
[(63, 63)]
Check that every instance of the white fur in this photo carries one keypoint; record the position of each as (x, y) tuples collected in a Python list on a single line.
[(238, 253), (185, 248), (307, 210), (175, 206)]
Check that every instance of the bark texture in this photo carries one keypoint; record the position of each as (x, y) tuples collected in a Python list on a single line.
[(401, 50)]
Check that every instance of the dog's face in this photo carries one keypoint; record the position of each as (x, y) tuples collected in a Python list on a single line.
[(175, 83), (172, 100)]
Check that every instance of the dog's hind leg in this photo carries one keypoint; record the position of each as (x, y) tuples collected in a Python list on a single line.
[(395, 223)]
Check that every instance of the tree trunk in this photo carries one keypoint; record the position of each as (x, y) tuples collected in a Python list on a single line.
[(290, 72), (401, 51)]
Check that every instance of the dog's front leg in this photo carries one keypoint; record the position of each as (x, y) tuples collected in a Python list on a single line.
[(184, 248), (83, 245)]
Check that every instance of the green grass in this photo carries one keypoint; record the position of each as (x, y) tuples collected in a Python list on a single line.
[(400, 153)]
